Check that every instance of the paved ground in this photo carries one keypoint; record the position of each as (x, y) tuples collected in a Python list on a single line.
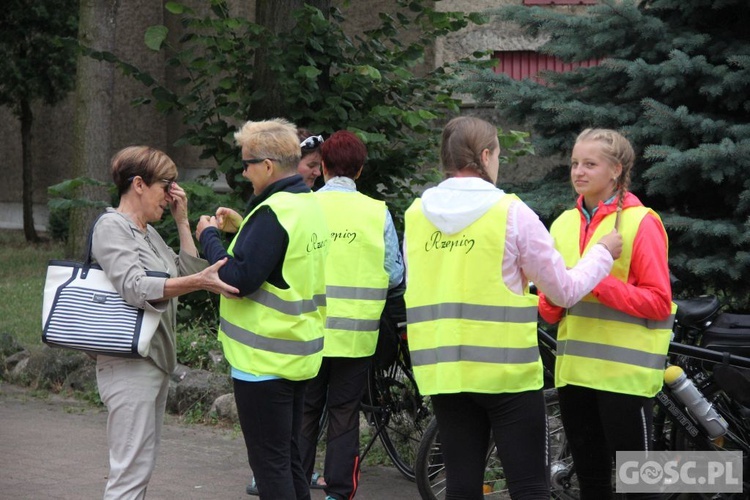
[(55, 448)]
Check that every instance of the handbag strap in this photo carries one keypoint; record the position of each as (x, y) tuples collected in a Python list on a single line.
[(89, 242)]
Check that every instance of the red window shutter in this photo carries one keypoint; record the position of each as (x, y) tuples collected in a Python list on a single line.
[(520, 64)]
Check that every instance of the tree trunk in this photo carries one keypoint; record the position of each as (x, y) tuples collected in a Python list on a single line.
[(276, 16), (92, 134), (27, 194)]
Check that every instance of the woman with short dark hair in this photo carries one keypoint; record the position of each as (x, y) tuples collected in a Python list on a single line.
[(126, 246)]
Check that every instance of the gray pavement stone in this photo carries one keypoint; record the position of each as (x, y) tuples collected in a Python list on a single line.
[(55, 448)]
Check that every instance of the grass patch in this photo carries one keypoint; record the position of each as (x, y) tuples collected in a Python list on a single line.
[(23, 267)]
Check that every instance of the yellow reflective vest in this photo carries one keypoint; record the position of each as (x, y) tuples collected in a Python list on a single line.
[(600, 347), (356, 280), (276, 331), (467, 331)]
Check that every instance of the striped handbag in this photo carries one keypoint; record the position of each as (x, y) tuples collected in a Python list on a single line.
[(81, 310)]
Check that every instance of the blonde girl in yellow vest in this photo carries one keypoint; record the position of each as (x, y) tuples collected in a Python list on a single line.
[(471, 250), (611, 345)]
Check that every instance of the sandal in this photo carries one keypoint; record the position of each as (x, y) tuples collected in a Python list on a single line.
[(317, 482)]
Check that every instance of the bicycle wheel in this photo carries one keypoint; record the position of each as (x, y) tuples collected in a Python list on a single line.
[(736, 439), (430, 467), (430, 472), (563, 481), (398, 412)]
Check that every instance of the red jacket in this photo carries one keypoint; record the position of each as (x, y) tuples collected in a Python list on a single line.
[(648, 292)]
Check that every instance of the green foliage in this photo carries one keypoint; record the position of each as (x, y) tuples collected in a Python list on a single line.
[(22, 271), (368, 83), (198, 413), (195, 342), (36, 50), (63, 197), (674, 77)]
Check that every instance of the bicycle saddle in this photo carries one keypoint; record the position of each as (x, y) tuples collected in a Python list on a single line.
[(698, 310)]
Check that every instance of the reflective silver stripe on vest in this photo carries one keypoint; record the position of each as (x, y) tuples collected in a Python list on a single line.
[(278, 346), (295, 308), (611, 353), (356, 293), (459, 310), (454, 353), (600, 311), (352, 325)]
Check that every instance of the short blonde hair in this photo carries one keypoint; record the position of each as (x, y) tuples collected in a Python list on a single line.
[(275, 138), (151, 164), (616, 148)]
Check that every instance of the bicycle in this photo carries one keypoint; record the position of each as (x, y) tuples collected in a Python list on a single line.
[(392, 405), (715, 360), (430, 469), (395, 408)]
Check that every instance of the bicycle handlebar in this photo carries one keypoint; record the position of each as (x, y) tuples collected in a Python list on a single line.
[(708, 354), (691, 351)]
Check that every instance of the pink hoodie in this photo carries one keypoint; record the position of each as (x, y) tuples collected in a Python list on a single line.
[(529, 249)]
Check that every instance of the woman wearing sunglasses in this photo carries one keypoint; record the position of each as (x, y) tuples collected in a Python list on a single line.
[(273, 335), (125, 245)]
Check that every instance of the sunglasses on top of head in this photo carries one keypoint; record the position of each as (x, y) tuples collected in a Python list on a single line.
[(312, 142)]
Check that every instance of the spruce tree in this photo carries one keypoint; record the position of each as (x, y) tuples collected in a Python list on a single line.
[(674, 77)]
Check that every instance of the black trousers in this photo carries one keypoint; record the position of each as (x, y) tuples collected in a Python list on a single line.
[(271, 417), (597, 425), (518, 422), (338, 389)]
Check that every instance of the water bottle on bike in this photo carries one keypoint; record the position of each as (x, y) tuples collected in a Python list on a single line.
[(697, 405)]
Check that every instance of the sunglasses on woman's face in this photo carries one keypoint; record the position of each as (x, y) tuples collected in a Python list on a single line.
[(167, 185), (253, 161)]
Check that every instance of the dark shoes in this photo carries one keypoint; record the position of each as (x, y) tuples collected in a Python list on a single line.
[(252, 488)]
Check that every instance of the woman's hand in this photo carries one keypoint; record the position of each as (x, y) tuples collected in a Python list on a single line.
[(211, 281), (228, 220), (613, 243), (178, 203), (204, 222)]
